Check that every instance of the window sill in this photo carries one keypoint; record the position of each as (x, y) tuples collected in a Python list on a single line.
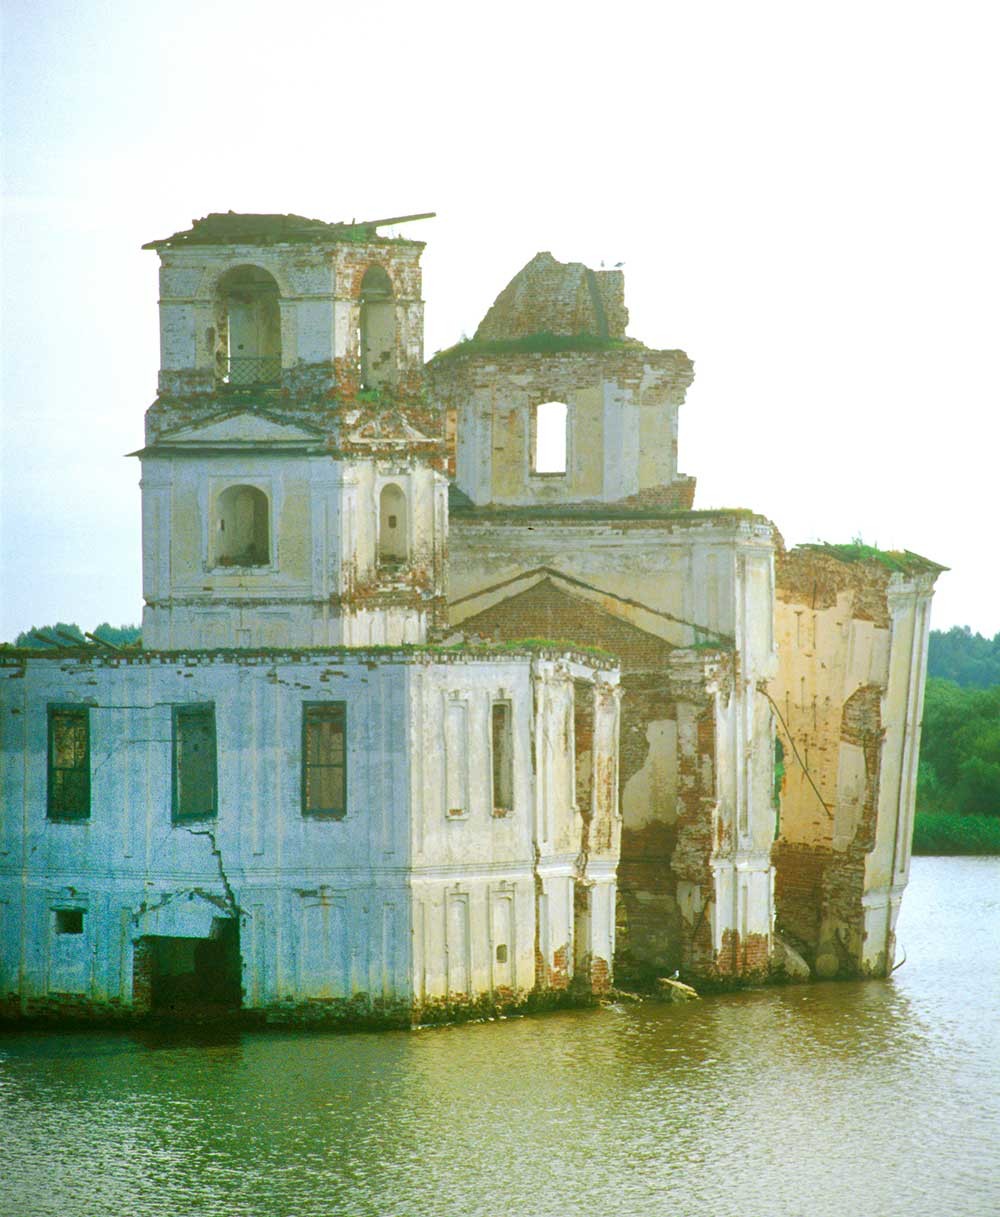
[(66, 818), (502, 813), (336, 816), (261, 568), (543, 476)]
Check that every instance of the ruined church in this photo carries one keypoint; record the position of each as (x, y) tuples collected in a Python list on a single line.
[(448, 698)]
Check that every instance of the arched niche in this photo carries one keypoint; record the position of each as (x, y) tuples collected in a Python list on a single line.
[(248, 328), (377, 330), (392, 540), (242, 527), (550, 437)]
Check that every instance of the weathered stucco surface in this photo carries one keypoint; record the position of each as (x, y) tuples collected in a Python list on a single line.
[(852, 645), (380, 912), (323, 612)]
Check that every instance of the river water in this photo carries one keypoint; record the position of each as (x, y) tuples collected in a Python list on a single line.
[(831, 1099)]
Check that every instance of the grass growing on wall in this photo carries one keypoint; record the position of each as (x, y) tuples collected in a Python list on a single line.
[(531, 344), (937, 832)]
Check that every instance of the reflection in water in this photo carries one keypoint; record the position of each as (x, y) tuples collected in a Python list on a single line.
[(808, 1100)]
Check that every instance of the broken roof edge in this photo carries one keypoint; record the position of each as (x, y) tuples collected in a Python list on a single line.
[(262, 228), (545, 342), (900, 561), (595, 510), (428, 652)]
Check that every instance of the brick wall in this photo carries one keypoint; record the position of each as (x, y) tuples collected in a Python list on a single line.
[(553, 297)]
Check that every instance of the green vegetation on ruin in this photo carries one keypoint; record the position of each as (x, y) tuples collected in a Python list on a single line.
[(900, 560), (542, 343)]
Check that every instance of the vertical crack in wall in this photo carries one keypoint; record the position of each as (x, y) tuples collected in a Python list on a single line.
[(231, 904)]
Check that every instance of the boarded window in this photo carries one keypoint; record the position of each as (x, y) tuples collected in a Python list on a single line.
[(324, 759), (69, 763), (501, 740), (456, 755), (194, 795)]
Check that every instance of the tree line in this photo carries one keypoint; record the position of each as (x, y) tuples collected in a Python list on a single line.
[(66, 634), (958, 785)]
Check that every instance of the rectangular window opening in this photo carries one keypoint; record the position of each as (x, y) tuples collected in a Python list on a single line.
[(324, 759), (502, 745), (69, 921), (195, 779), (550, 438), (69, 763)]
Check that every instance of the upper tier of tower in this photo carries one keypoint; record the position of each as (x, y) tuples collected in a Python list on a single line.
[(280, 308)]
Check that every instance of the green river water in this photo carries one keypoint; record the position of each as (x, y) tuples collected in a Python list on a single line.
[(831, 1099)]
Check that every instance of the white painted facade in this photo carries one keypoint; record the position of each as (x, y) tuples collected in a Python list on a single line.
[(403, 904)]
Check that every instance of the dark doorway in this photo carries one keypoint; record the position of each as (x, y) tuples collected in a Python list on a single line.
[(197, 975)]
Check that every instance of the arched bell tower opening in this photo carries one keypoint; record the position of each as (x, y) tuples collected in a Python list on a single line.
[(377, 330), (248, 329), (393, 549), (242, 527)]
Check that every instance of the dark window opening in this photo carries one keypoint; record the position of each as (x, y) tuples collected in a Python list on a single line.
[(502, 745), (242, 527), (502, 953), (69, 763), (195, 781), (69, 921), (324, 759), (392, 544)]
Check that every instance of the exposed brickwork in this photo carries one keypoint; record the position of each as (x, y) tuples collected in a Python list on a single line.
[(600, 976), (812, 578), (821, 856), (142, 976), (549, 611), (677, 496), (559, 974), (745, 957), (553, 297)]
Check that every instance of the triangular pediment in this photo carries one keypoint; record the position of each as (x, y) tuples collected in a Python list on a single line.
[(388, 428), (242, 429), (547, 610)]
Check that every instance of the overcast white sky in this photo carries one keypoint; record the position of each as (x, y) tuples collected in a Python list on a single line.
[(805, 198)]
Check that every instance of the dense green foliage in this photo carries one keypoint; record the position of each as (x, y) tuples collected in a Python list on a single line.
[(64, 634), (958, 785), (960, 750), (966, 658), (940, 833)]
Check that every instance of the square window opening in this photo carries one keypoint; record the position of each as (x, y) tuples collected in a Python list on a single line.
[(69, 921)]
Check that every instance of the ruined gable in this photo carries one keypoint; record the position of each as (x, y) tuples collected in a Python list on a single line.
[(552, 297), (548, 611)]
